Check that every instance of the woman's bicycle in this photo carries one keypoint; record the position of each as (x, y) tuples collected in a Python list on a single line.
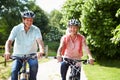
[(23, 74), (75, 69)]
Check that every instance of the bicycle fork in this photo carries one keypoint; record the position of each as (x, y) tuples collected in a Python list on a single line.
[(23, 75), (75, 73)]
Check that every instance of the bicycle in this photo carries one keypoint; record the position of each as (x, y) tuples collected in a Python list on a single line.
[(23, 74), (75, 70)]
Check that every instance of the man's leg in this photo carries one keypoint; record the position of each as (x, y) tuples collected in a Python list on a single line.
[(64, 68), (33, 63), (17, 64)]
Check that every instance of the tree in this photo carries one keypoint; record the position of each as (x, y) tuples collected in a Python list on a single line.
[(10, 16), (98, 20), (72, 9), (56, 27), (116, 32), (116, 37)]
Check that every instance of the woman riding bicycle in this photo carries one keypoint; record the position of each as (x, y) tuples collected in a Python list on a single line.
[(71, 46), (25, 36)]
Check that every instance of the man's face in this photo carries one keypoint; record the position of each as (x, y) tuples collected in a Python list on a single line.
[(73, 29), (28, 21)]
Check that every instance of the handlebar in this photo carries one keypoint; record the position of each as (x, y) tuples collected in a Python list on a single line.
[(25, 57), (74, 61)]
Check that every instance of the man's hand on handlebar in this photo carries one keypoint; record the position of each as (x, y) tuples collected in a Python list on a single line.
[(40, 55), (7, 56)]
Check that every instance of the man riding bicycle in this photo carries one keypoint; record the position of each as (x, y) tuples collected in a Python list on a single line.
[(26, 37), (71, 46)]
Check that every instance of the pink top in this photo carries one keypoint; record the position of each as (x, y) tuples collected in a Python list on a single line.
[(72, 48)]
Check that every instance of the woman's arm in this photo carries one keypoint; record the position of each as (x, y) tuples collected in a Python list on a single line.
[(60, 48), (87, 50)]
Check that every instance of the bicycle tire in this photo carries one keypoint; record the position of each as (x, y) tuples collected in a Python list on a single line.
[(23, 76), (74, 78)]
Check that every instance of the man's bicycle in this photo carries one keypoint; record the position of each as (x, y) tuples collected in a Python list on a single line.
[(75, 69), (23, 74)]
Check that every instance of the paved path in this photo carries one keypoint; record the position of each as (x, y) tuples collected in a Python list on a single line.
[(51, 71)]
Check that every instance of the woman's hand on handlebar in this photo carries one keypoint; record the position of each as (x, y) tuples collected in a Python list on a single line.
[(59, 58), (91, 61)]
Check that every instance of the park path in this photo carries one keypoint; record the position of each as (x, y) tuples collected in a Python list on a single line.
[(51, 71)]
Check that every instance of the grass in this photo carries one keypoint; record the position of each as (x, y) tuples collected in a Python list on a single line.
[(4, 71), (105, 70)]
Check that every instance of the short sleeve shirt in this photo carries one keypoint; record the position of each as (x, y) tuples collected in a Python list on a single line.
[(24, 42), (73, 47)]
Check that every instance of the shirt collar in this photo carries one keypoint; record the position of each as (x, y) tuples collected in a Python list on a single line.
[(22, 26)]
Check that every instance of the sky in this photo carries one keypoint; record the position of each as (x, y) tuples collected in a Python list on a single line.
[(49, 5)]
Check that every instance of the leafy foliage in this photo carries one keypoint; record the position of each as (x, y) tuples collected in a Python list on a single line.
[(10, 16), (116, 32), (56, 27), (72, 9), (98, 20)]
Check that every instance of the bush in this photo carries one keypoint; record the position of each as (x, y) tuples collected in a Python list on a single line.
[(98, 21)]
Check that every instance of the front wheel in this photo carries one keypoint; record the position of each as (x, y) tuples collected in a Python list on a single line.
[(71, 78), (23, 76), (74, 78)]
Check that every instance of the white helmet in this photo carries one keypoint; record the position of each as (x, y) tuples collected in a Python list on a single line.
[(74, 22), (28, 14)]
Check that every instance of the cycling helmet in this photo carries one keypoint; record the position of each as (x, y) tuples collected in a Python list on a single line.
[(74, 22), (28, 14)]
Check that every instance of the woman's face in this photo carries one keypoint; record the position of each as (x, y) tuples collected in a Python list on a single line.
[(73, 29), (28, 21)]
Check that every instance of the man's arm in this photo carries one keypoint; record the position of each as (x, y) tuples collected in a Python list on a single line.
[(8, 46), (41, 47)]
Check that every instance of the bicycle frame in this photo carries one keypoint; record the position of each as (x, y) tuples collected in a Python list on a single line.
[(75, 70), (23, 74)]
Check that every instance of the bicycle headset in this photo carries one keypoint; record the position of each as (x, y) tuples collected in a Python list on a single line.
[(28, 14)]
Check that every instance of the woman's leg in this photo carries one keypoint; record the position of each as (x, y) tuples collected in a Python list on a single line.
[(64, 68)]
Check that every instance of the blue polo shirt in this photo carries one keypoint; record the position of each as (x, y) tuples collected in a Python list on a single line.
[(24, 43)]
